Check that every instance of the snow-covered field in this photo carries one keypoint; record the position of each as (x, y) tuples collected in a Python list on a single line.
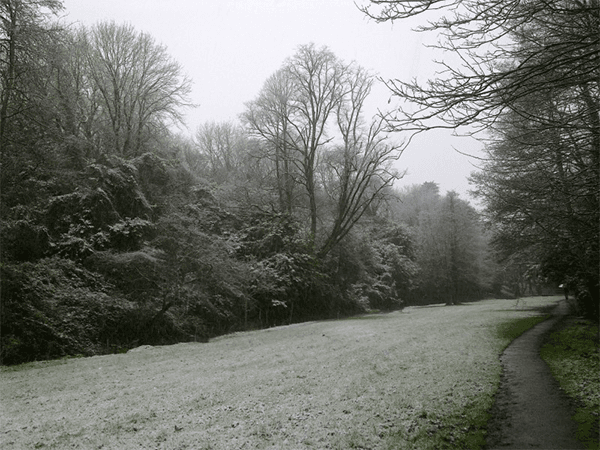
[(418, 378)]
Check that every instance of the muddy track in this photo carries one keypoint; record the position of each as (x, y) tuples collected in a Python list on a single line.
[(531, 411)]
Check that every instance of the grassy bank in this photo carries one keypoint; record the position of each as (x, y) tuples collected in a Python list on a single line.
[(421, 378), (572, 354)]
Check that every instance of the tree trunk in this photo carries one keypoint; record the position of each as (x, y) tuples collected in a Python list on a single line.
[(9, 76), (310, 189)]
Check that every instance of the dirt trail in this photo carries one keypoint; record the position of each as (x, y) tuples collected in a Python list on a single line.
[(531, 411)]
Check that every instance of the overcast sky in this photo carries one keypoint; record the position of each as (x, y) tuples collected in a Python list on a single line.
[(230, 47)]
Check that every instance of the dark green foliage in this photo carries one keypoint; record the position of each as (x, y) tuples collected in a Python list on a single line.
[(396, 249), (104, 208), (22, 240), (269, 234), (120, 180), (153, 175), (130, 234), (184, 275), (136, 273), (374, 268), (286, 278), (53, 308)]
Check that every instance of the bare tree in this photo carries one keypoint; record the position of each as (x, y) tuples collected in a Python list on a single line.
[(530, 76), (293, 113), (494, 70), (141, 88), (311, 116), (221, 145), (539, 181), (267, 118), (363, 169), (24, 31), (317, 77)]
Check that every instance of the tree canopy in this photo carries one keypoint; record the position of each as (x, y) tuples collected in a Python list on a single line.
[(506, 50), (117, 231), (310, 114), (529, 75)]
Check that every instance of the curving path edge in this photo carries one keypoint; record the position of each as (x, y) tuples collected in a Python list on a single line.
[(531, 411)]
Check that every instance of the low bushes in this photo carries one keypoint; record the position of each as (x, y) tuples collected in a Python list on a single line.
[(53, 308)]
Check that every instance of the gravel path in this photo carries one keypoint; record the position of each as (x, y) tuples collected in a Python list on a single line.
[(531, 410)]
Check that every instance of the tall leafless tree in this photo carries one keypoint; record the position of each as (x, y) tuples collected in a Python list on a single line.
[(141, 87), (221, 145), (364, 166), (312, 113), (267, 118)]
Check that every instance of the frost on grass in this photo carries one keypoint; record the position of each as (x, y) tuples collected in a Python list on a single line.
[(422, 378), (573, 356)]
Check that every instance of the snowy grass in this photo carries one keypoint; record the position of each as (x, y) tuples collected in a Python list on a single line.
[(573, 356), (421, 378)]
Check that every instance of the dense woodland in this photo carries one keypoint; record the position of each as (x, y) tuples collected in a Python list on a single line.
[(118, 231)]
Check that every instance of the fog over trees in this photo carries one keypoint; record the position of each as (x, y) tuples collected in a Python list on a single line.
[(529, 80), (118, 231)]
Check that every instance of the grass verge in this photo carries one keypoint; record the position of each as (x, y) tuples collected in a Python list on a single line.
[(512, 329), (423, 378), (573, 356)]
